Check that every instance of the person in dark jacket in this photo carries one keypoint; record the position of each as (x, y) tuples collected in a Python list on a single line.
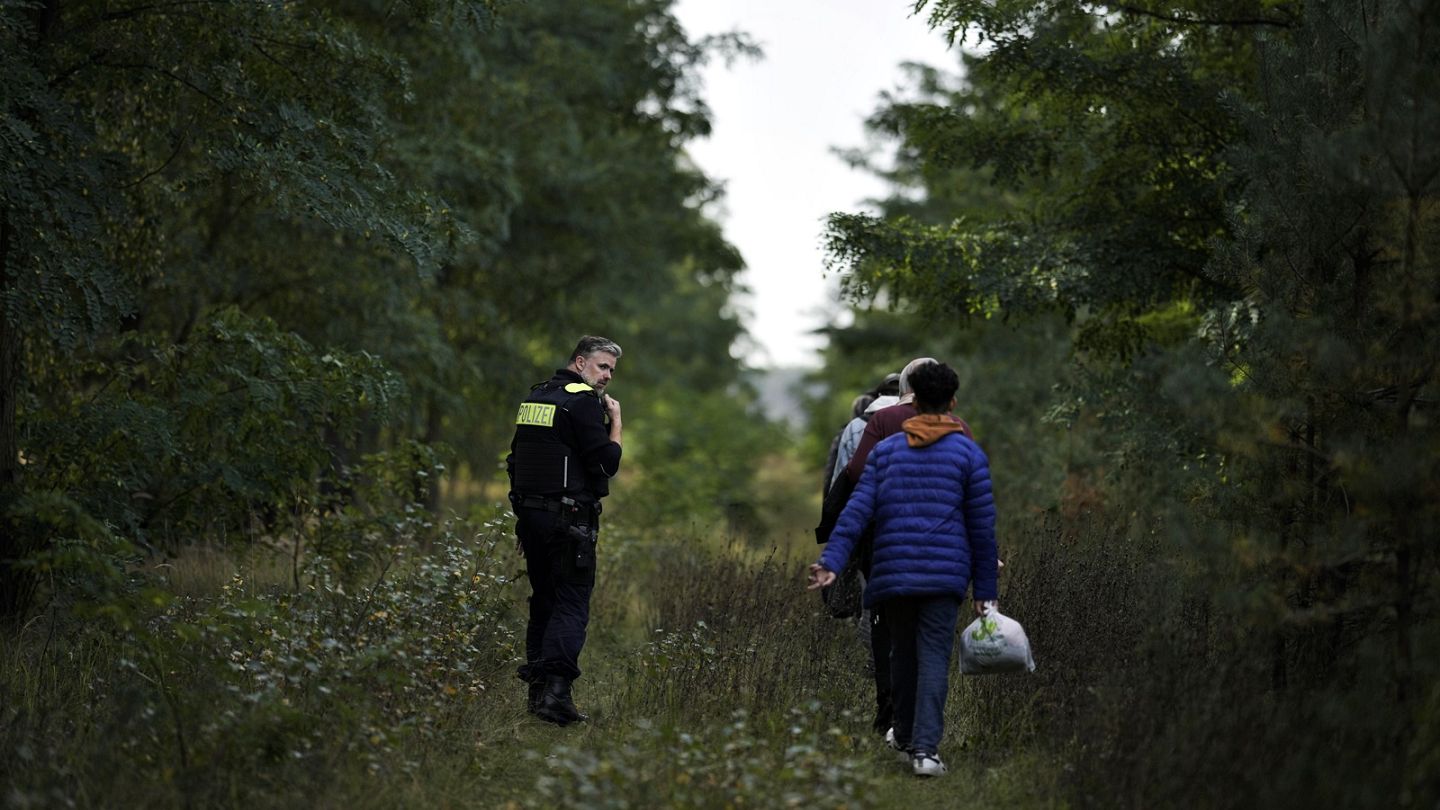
[(565, 451), (832, 463), (880, 424), (887, 421), (928, 491), (843, 446)]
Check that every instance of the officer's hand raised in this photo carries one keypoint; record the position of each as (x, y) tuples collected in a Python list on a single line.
[(612, 407)]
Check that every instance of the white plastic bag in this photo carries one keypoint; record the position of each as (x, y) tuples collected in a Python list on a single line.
[(994, 643)]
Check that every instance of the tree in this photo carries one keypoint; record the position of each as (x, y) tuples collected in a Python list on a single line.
[(136, 142), (51, 206), (1335, 247), (412, 205), (1232, 201), (1103, 124)]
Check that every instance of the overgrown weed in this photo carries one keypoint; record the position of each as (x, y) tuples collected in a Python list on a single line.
[(248, 694), (712, 677), (729, 764)]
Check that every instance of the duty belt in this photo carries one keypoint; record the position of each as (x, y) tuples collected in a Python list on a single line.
[(559, 506)]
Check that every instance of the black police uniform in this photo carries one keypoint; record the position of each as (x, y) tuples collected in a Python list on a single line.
[(560, 464)]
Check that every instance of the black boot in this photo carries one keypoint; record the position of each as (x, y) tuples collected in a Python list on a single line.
[(532, 700), (555, 704)]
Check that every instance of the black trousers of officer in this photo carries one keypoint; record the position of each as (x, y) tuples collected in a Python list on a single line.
[(560, 594)]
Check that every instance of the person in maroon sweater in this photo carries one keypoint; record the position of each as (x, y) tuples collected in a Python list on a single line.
[(887, 421), (884, 422)]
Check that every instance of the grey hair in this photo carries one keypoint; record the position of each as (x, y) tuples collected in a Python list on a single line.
[(590, 344), (910, 367)]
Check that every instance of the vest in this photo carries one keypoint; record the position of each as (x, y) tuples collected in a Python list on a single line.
[(545, 463)]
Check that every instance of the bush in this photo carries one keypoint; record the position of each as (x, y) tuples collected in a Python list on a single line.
[(252, 694)]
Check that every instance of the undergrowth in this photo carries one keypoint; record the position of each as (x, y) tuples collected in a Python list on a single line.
[(712, 678)]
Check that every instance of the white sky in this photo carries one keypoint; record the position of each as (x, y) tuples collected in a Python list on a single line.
[(775, 122)]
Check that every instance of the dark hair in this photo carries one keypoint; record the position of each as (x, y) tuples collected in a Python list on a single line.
[(590, 344), (934, 385), (857, 408), (890, 386)]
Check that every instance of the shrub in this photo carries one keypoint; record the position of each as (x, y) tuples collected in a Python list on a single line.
[(256, 693)]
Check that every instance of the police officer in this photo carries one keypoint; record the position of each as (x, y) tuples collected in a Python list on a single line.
[(566, 450)]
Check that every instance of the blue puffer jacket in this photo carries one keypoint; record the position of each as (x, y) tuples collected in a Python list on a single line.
[(934, 519)]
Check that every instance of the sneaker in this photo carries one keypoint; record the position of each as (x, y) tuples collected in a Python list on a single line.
[(895, 746), (927, 765)]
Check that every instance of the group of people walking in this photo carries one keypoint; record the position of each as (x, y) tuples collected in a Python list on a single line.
[(909, 499), (913, 505)]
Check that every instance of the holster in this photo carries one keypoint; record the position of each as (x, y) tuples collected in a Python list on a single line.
[(573, 534), (581, 541)]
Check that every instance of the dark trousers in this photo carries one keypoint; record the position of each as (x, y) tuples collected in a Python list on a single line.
[(561, 581), (879, 639), (922, 636), (880, 665)]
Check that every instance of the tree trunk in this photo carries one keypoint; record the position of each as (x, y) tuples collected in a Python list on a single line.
[(16, 586), (430, 485), (9, 370)]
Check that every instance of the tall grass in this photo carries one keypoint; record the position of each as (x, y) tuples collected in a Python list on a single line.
[(726, 633), (712, 678)]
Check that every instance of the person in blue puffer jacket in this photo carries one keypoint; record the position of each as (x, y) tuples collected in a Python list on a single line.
[(928, 491)]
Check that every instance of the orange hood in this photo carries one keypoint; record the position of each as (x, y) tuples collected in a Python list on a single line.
[(928, 428)]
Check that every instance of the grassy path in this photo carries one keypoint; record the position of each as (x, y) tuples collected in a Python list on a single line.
[(724, 686), (712, 680)]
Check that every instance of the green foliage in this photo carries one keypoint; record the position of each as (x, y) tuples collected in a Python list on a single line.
[(694, 454), (728, 766), (54, 197), (430, 198), (1008, 375), (575, 183), (396, 688), (971, 273), (690, 404), (251, 692), (1233, 204), (1335, 248), (60, 548), (1078, 170), (209, 438), (1101, 129)]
